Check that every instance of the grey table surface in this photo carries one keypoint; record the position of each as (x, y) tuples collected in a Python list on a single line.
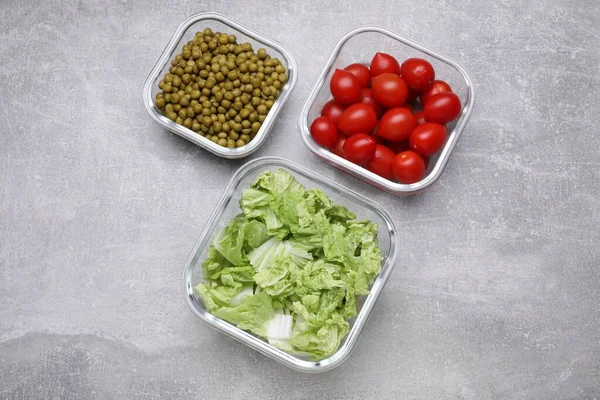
[(495, 295)]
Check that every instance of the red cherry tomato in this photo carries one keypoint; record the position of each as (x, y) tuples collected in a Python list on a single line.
[(366, 97), (358, 118), (374, 135), (382, 63), (408, 106), (427, 139), (361, 72), (333, 111), (396, 124), (345, 87), (420, 117), (359, 148), (324, 132), (437, 87), (382, 162), (338, 146), (412, 94), (389, 90), (379, 139), (398, 147), (418, 74), (408, 167), (442, 108)]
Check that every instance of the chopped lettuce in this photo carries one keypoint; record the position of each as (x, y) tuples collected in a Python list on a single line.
[(289, 268)]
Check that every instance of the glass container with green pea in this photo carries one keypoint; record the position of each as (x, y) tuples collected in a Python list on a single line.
[(216, 82)]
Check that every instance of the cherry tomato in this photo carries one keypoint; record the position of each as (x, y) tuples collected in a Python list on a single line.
[(442, 108), (374, 135), (389, 90), (345, 87), (359, 148), (324, 132), (420, 117), (338, 146), (358, 118), (396, 124), (412, 94), (361, 72), (398, 147), (418, 74), (427, 139), (382, 63), (437, 87), (333, 111), (382, 162), (408, 167), (408, 106), (366, 97)]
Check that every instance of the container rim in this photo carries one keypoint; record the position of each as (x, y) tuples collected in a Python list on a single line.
[(256, 343), (368, 176), (192, 136)]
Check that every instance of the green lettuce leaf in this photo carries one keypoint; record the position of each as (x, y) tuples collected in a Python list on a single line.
[(230, 240), (289, 268)]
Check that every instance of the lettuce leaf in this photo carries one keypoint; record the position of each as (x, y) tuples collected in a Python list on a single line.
[(289, 268)]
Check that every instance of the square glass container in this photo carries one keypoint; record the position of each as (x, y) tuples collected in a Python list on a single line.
[(359, 46), (228, 207), (218, 23)]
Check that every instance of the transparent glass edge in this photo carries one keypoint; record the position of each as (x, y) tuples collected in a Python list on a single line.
[(192, 136), (359, 172), (300, 365)]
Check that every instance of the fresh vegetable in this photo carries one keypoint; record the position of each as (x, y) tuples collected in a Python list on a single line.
[(397, 147), (324, 131), (408, 167), (418, 74), (389, 90), (396, 124), (358, 118), (338, 146), (427, 139), (382, 162), (345, 87), (221, 89), (361, 72), (384, 63), (359, 148), (333, 111), (366, 97), (442, 108), (396, 141), (420, 118), (289, 268), (436, 87)]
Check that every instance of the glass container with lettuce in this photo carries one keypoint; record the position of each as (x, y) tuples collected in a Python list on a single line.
[(290, 266)]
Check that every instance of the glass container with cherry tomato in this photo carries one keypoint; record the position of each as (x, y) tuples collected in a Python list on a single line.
[(390, 116)]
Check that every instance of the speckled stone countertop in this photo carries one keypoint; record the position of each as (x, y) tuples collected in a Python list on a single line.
[(495, 295)]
